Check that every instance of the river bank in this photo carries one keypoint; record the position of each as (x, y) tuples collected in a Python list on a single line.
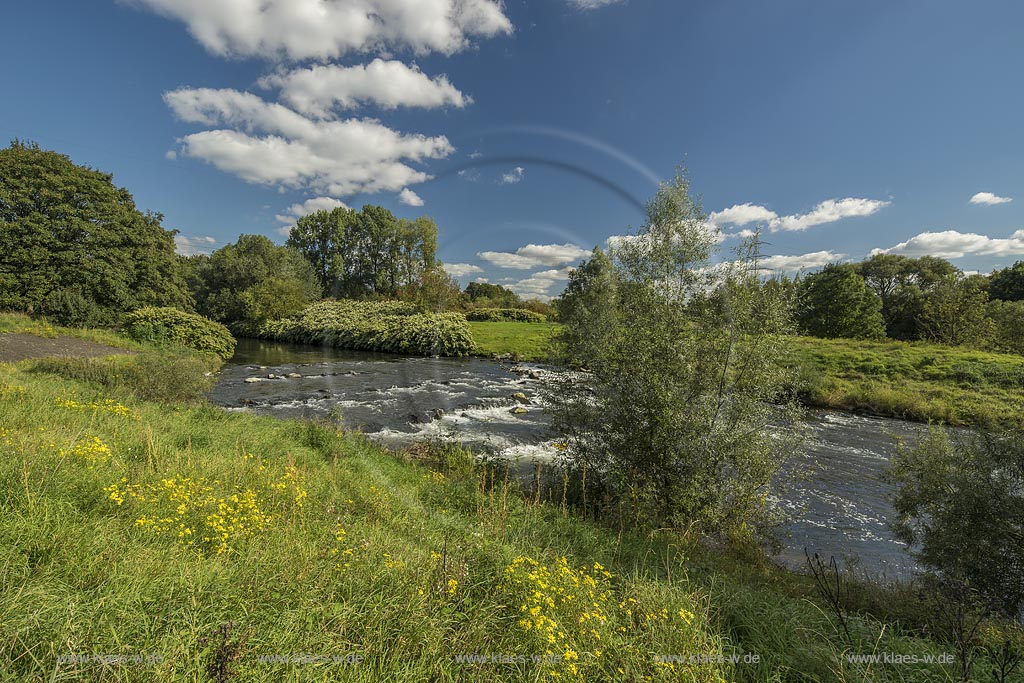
[(390, 564), (916, 381)]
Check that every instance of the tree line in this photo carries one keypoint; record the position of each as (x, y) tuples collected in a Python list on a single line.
[(914, 299), (75, 248)]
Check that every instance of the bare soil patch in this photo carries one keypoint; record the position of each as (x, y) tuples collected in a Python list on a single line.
[(17, 346)]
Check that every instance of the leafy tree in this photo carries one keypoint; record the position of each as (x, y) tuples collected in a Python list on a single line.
[(954, 312), (589, 309), (74, 245), (836, 302), (1008, 284), (960, 504), (435, 291), (365, 253), (487, 295), (673, 424), (252, 281), (1008, 325)]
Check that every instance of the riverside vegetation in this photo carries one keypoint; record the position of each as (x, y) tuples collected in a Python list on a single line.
[(227, 546), (171, 520)]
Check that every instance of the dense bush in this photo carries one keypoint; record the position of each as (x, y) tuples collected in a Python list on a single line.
[(494, 315), (188, 329), (390, 326)]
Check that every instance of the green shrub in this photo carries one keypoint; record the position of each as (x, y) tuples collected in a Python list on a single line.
[(68, 308), (495, 315), (389, 326), (188, 329)]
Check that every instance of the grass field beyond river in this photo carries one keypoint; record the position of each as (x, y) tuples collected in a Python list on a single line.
[(913, 381)]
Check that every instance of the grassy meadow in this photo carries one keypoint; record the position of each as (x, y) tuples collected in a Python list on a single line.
[(914, 381), (172, 540), (525, 341)]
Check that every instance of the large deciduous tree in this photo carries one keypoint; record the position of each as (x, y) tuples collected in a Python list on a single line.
[(836, 302), (252, 281), (365, 253), (1008, 284), (74, 246)]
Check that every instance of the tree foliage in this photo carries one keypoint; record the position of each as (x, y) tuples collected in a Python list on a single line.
[(836, 302), (251, 281), (673, 421), (1008, 284), (74, 246), (488, 295), (358, 254), (960, 503)]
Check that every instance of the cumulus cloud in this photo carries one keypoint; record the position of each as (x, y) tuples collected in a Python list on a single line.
[(319, 90), (742, 214), (535, 255), (828, 211), (270, 144), (196, 244), (297, 211), (410, 198), (539, 285), (463, 269), (953, 244), (790, 264), (320, 30), (989, 198), (513, 176)]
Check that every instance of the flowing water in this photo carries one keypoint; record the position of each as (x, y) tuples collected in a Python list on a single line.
[(840, 506)]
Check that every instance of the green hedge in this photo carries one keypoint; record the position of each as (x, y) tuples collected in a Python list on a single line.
[(152, 324), (496, 315), (390, 326)]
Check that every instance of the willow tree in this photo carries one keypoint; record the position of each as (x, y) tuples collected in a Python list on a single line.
[(677, 419)]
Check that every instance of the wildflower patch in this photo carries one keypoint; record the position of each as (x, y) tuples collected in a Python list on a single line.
[(208, 514)]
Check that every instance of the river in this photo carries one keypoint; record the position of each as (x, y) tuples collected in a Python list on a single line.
[(840, 506)]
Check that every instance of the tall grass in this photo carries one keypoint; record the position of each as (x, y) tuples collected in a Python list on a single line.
[(339, 560)]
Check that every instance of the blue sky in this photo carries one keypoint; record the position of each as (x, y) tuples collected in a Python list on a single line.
[(533, 131)]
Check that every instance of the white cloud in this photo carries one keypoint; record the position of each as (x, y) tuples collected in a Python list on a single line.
[(790, 264), (410, 198), (513, 176), (270, 144), (592, 4), (470, 174), (742, 214), (475, 154), (297, 211), (318, 29), (190, 246), (953, 244), (319, 90), (989, 198), (538, 285), (171, 155), (560, 274), (828, 211), (534, 255), (462, 269)]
